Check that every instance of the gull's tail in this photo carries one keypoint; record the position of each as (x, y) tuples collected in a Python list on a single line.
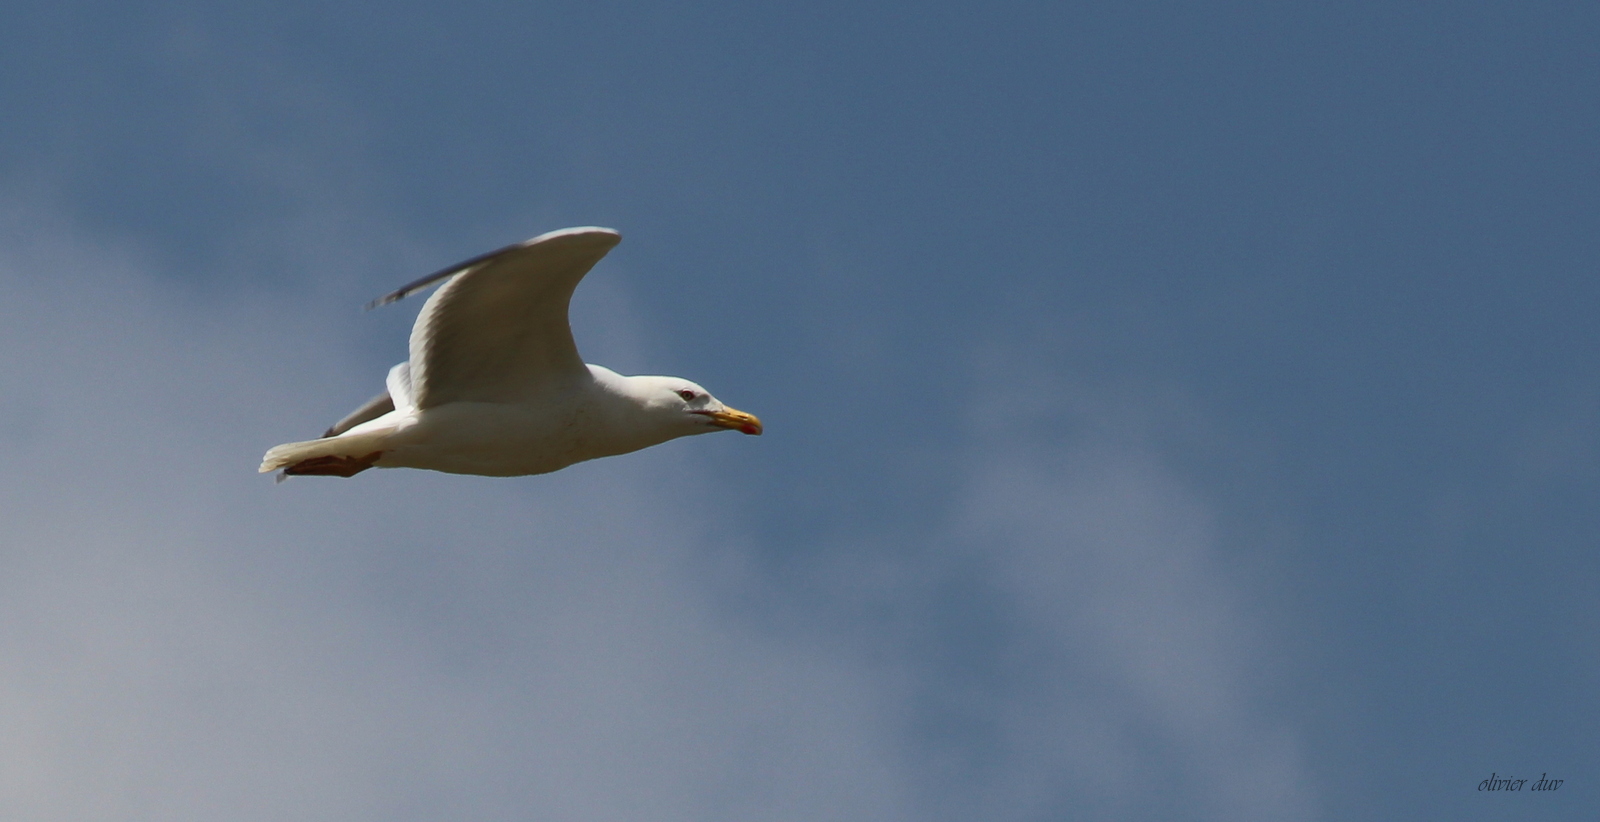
[(341, 456)]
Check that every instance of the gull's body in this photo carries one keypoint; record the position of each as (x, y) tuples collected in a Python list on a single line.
[(494, 384)]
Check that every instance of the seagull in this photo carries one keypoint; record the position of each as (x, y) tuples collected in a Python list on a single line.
[(494, 385)]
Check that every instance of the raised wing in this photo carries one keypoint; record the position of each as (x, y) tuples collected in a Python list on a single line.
[(497, 331)]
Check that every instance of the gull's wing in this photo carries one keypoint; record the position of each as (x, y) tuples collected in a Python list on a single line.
[(497, 331), (373, 409)]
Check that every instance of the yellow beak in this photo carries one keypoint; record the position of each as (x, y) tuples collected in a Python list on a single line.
[(735, 419)]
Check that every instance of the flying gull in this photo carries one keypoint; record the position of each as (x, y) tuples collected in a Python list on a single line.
[(494, 384)]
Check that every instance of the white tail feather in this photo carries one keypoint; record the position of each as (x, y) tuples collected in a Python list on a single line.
[(345, 445)]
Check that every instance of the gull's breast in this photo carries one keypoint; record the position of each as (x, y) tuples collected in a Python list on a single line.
[(492, 439)]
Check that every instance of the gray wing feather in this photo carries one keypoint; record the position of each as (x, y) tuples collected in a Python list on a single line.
[(373, 409)]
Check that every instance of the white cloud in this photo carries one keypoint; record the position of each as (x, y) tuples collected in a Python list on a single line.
[(1140, 657), (1136, 680), (1071, 636)]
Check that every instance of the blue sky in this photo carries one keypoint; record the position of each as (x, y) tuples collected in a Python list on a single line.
[(1174, 411)]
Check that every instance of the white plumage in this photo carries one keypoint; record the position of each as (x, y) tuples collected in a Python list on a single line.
[(494, 384)]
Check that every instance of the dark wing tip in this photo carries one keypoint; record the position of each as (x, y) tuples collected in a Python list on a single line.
[(407, 290), (607, 237), (416, 285)]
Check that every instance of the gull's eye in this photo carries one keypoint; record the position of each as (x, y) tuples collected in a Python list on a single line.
[(688, 396)]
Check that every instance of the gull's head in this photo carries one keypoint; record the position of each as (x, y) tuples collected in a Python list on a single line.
[(690, 408)]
